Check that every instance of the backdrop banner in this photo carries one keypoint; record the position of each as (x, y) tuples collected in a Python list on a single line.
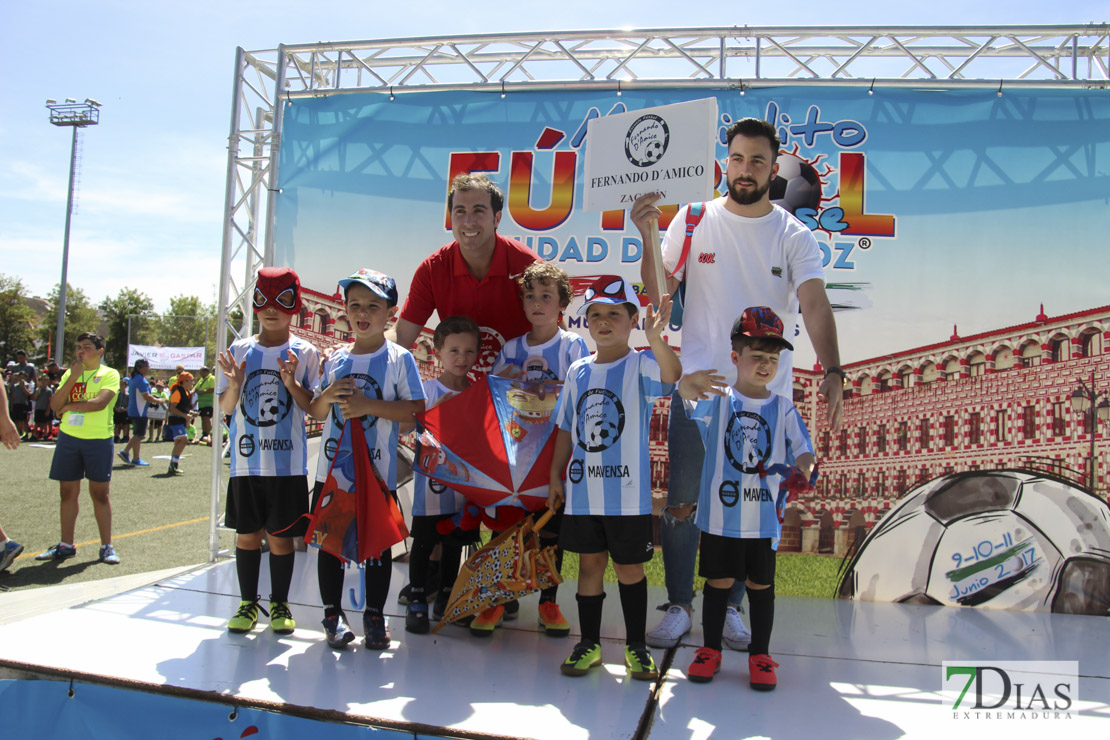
[(166, 358)]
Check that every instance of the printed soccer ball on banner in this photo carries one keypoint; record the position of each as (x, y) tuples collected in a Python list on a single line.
[(1002, 539), (796, 185)]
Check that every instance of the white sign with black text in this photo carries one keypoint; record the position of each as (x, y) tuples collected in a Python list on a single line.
[(668, 149)]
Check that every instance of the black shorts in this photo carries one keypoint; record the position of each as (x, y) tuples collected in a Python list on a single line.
[(42, 416), (120, 417), (205, 412), (138, 426), (741, 559), (19, 411), (277, 504), (628, 539)]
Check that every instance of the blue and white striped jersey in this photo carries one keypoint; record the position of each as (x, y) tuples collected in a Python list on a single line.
[(389, 374), (430, 497), (606, 407), (548, 361), (267, 428), (739, 433)]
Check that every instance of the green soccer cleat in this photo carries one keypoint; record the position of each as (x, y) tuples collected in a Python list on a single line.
[(246, 617), (640, 664), (584, 657), (281, 619)]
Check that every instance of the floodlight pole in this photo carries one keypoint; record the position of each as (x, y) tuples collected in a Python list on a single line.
[(76, 116)]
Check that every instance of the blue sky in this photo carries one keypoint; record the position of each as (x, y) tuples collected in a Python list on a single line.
[(152, 177)]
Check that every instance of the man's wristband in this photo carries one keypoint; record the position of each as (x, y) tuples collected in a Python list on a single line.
[(836, 370)]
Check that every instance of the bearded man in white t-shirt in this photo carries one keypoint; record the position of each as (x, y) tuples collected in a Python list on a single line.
[(746, 251)]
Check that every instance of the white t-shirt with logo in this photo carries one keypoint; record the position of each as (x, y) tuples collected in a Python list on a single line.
[(735, 263)]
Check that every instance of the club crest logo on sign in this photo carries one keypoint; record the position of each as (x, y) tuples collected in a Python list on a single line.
[(600, 420), (647, 140), (264, 400)]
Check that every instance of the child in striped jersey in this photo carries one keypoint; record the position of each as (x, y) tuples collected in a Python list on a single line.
[(604, 416), (266, 386), (376, 383), (544, 353), (746, 430), (457, 341)]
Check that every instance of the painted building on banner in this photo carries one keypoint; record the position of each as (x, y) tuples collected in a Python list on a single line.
[(998, 399)]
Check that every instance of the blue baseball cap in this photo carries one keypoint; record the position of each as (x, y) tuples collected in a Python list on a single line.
[(379, 283)]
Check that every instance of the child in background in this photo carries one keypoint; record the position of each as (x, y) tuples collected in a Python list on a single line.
[(178, 416), (739, 539), (44, 417), (376, 383), (604, 418), (457, 340), (265, 387), (544, 353)]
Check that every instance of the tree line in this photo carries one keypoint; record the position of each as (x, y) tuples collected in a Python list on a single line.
[(189, 322)]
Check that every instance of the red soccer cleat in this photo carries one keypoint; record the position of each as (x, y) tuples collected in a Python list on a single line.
[(706, 664), (762, 671)]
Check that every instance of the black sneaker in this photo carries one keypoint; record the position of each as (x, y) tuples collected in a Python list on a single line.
[(512, 609), (376, 631), (416, 619), (440, 606)]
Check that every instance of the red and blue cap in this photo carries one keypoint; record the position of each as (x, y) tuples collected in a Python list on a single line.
[(760, 322)]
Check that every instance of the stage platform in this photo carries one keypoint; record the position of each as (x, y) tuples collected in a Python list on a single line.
[(847, 669)]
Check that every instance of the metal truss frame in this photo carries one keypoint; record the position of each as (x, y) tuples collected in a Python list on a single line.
[(736, 57)]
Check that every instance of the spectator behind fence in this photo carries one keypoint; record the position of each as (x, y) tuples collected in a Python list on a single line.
[(205, 388), (44, 417)]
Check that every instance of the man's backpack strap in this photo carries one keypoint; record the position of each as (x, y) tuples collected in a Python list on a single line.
[(694, 215)]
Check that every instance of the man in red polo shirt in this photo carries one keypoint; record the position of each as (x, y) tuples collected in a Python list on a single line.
[(475, 275)]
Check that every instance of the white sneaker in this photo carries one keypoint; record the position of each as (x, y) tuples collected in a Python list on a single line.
[(675, 624), (736, 636)]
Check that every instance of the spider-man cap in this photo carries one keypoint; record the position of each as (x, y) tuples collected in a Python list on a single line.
[(760, 322), (609, 289)]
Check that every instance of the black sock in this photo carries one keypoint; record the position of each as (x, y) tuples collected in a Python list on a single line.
[(281, 575), (634, 606), (589, 617), (713, 606), (450, 556), (419, 564), (761, 604), (247, 565), (552, 592), (329, 576), (377, 573)]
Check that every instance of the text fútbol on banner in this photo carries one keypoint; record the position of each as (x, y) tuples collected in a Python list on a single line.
[(667, 149), (166, 358)]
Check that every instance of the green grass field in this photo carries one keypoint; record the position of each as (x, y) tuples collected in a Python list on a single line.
[(162, 522)]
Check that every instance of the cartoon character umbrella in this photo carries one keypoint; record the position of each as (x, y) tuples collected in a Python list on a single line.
[(512, 565), (355, 519), (493, 443)]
